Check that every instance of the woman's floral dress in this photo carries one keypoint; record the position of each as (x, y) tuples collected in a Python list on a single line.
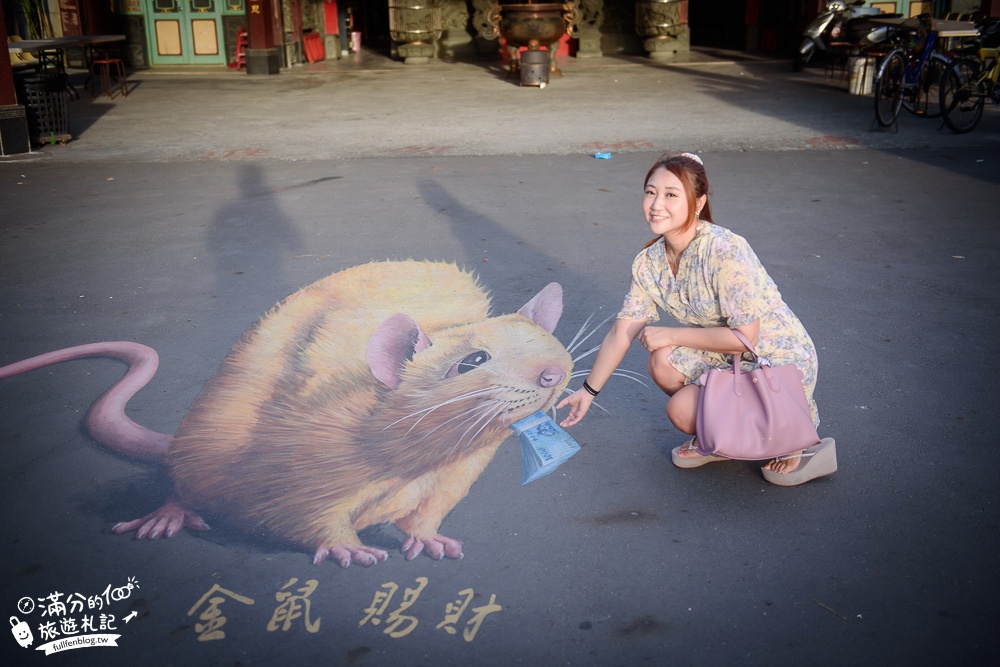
[(719, 283)]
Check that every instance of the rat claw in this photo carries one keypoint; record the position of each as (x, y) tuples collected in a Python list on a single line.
[(160, 526), (437, 547), (165, 522), (344, 556), (415, 549)]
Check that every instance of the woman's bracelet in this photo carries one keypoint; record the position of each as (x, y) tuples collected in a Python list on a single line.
[(590, 390)]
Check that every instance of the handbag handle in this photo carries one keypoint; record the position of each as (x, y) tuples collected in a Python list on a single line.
[(737, 371), (764, 365), (746, 342)]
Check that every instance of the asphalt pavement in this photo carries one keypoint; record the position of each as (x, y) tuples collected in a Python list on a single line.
[(180, 214)]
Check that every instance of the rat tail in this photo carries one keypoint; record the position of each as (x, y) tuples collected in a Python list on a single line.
[(106, 419)]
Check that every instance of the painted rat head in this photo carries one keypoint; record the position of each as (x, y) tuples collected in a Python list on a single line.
[(464, 385)]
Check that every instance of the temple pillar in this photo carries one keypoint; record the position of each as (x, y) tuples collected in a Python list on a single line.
[(263, 36), (455, 40), (663, 27), (588, 30)]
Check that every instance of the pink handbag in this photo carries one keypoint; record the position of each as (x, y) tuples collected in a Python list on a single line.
[(753, 416)]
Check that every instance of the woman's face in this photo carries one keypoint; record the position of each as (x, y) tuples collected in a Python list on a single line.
[(665, 203)]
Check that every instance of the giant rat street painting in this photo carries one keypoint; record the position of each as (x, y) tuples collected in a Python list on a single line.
[(375, 395)]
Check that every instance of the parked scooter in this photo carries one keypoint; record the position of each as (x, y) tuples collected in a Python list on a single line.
[(840, 22)]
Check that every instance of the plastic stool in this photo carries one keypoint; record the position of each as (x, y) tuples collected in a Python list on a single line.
[(105, 64), (873, 58), (242, 42)]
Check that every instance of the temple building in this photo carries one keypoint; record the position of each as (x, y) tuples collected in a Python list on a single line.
[(267, 36)]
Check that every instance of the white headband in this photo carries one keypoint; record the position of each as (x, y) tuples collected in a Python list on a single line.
[(694, 157)]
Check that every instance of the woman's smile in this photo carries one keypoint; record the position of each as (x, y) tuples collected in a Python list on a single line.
[(664, 203)]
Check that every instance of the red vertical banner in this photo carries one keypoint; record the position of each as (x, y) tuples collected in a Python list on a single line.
[(331, 21), (752, 13), (7, 95)]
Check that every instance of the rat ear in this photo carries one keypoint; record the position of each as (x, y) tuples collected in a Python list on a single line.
[(545, 308), (394, 342)]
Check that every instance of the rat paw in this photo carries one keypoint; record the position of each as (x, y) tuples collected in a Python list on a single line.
[(344, 556), (436, 546), (165, 521)]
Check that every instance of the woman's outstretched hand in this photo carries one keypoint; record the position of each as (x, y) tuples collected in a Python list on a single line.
[(579, 402)]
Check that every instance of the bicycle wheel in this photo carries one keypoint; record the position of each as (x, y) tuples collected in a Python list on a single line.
[(962, 95), (889, 88), (925, 98)]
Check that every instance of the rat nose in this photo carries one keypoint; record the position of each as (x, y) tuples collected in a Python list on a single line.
[(551, 376)]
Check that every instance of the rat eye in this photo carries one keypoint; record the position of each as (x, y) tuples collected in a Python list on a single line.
[(469, 362)]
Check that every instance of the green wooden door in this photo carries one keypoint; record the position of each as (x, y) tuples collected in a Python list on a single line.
[(185, 32)]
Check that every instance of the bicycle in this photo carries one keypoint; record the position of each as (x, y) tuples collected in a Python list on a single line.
[(910, 75), (971, 80)]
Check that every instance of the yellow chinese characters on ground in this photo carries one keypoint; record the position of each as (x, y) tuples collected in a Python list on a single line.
[(399, 624), (454, 611), (211, 617), (294, 606), (395, 615)]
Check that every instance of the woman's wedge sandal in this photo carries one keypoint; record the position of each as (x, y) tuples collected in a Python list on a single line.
[(692, 461), (817, 461)]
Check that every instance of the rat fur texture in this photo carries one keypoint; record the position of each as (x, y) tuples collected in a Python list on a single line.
[(378, 394)]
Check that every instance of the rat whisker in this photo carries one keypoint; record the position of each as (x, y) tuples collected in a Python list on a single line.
[(628, 375), (460, 397), (457, 420), (487, 412), (466, 415), (631, 375), (593, 331), (572, 344), (621, 372), (441, 405), (628, 371), (587, 353), (474, 414), (488, 419), (444, 403)]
